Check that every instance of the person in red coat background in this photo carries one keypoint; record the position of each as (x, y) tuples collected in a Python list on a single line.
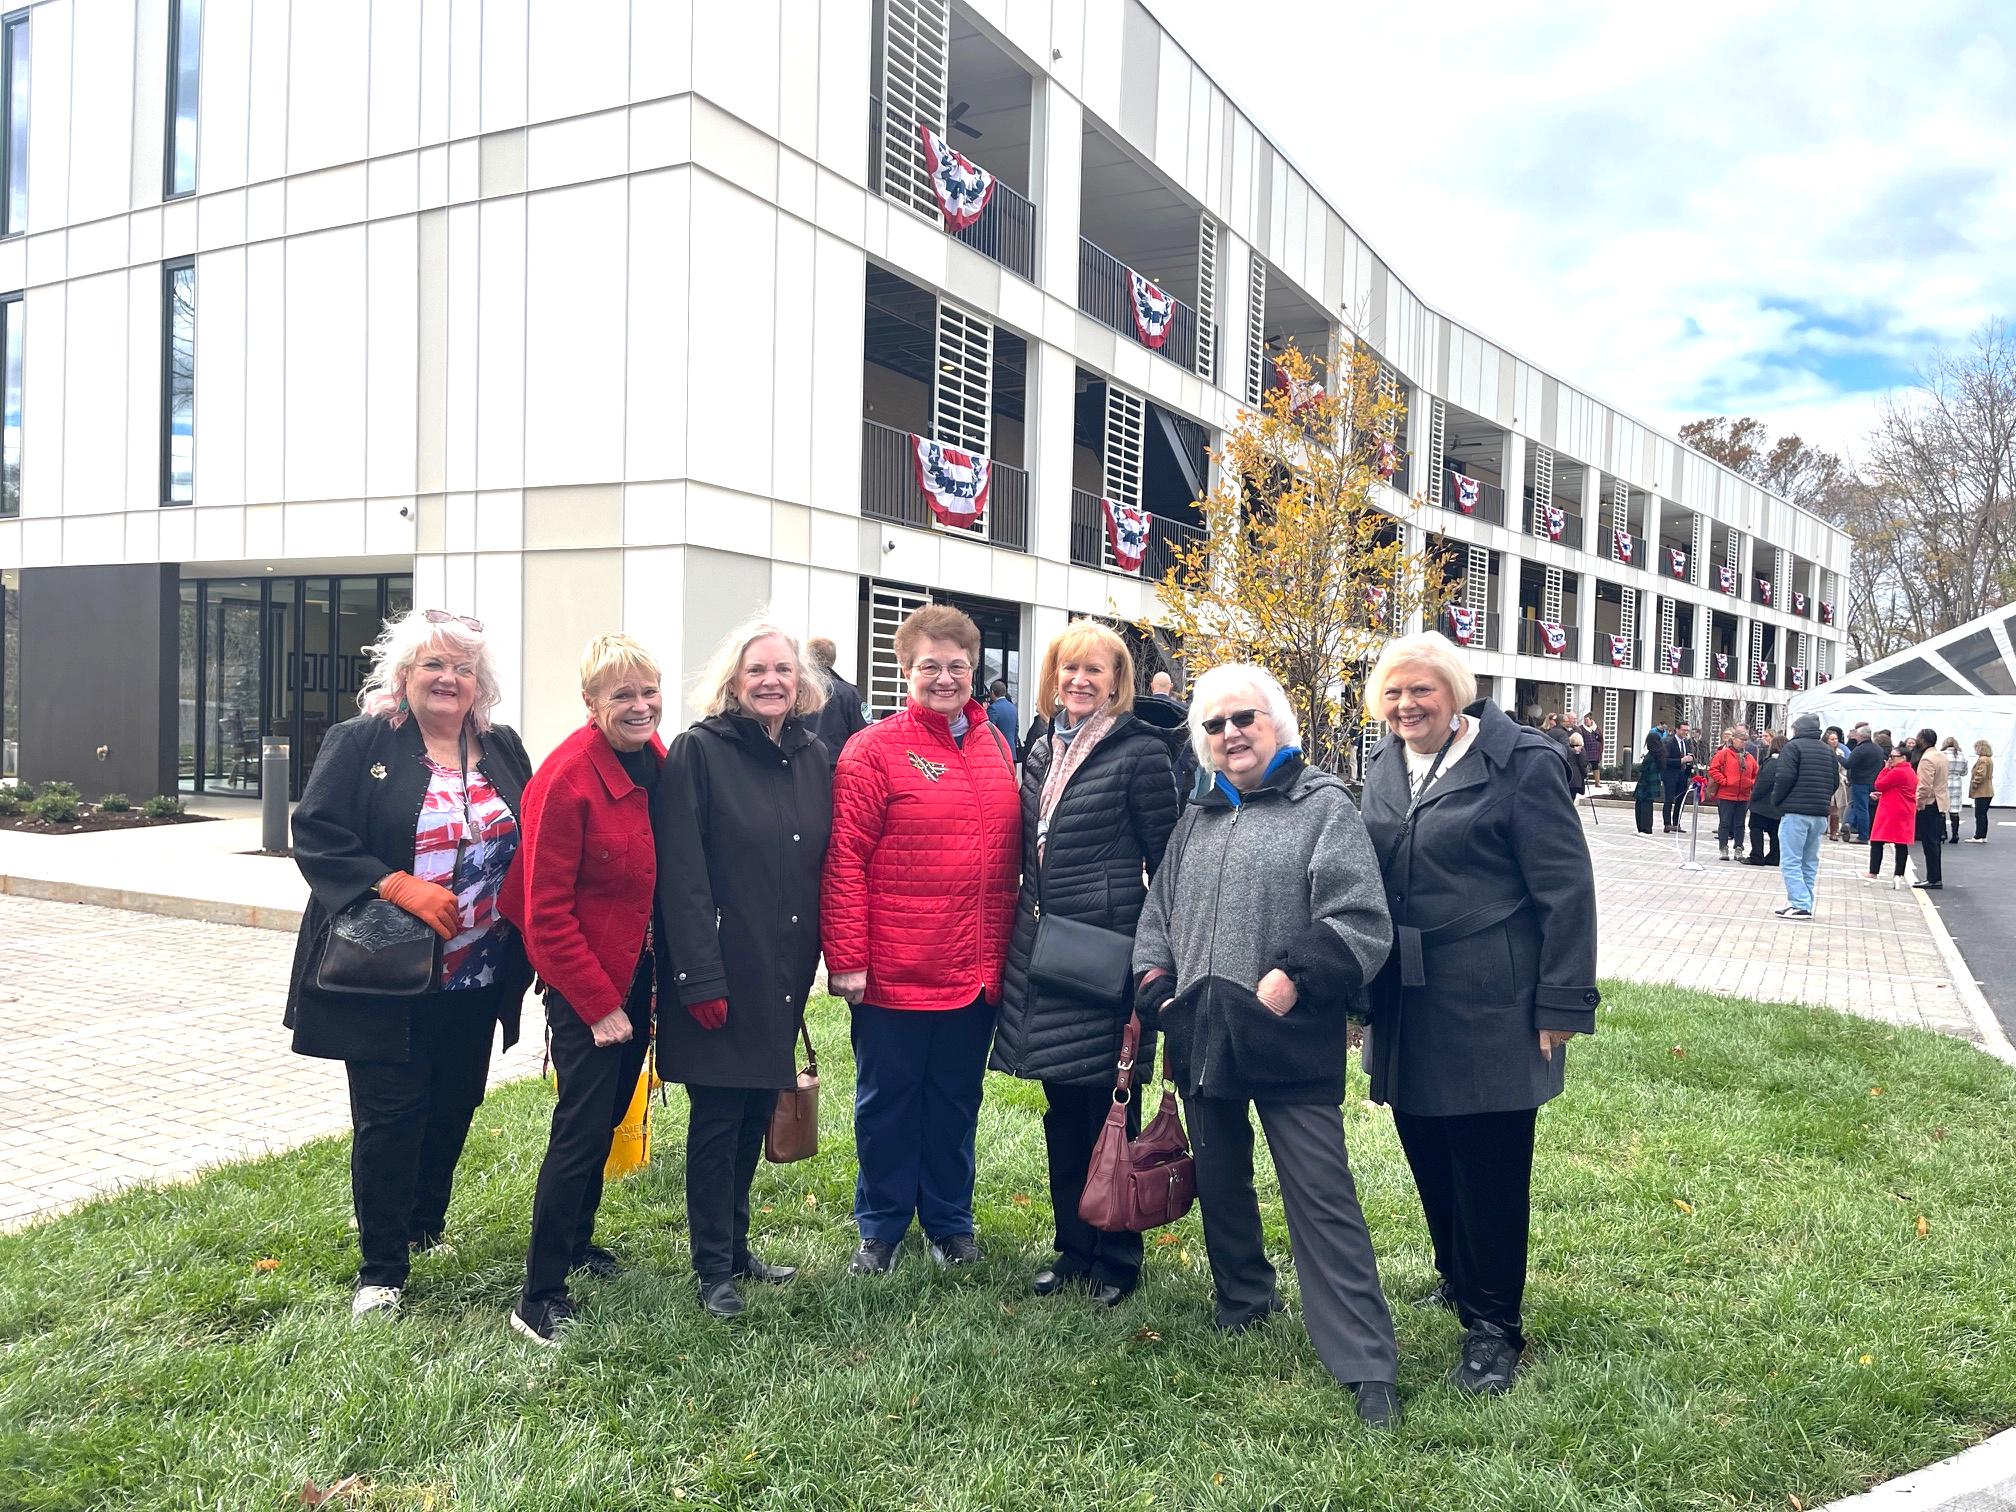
[(1896, 812), (917, 904), (582, 892)]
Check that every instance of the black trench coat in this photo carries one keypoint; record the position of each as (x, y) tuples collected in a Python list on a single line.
[(1494, 918), (356, 821), (741, 824)]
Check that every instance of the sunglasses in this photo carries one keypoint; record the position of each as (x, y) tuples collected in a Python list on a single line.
[(1239, 719), (443, 617)]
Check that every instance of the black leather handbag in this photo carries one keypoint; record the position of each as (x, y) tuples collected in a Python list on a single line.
[(378, 949), (1081, 961)]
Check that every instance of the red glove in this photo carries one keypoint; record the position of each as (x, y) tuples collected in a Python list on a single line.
[(711, 1014), (429, 902)]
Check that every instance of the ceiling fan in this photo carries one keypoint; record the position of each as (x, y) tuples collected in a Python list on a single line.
[(954, 120)]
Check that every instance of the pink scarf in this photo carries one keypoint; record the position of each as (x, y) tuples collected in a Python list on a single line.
[(1066, 756)]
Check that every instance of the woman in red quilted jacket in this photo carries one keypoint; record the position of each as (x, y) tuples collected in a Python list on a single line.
[(917, 905)]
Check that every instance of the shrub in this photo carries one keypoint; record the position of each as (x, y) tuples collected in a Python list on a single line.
[(59, 790), (54, 808), (115, 803), (11, 802), (161, 806)]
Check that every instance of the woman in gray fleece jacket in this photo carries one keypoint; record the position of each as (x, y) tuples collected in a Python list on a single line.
[(1261, 929)]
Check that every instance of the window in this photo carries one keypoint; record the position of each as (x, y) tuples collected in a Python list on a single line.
[(178, 382), (14, 146), (12, 318), (185, 31)]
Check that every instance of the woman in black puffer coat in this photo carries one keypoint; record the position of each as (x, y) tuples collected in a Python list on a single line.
[(1098, 802)]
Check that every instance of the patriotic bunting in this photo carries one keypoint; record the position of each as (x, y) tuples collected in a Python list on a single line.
[(1821, 678), (1761, 676), (1798, 602), (1722, 664), (1126, 532), (1677, 560), (961, 185), (1462, 625), (1727, 578), (1301, 392), (1673, 661), (954, 482), (1153, 311), (1620, 545), (1389, 460), (1826, 612), (1557, 521), (1553, 638), (1464, 492), (1798, 677), (1375, 600), (1620, 651), (1764, 590)]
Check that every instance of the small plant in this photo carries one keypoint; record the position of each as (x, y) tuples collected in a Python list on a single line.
[(54, 789), (54, 808), (11, 802), (115, 803), (161, 806)]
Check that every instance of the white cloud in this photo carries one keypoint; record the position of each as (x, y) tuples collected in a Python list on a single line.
[(1770, 209)]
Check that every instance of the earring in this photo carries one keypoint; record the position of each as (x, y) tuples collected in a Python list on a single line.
[(1455, 721), (402, 703)]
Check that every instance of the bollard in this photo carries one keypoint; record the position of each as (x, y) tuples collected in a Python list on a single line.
[(273, 794)]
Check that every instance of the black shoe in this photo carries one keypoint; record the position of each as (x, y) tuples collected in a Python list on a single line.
[(1106, 1294), (876, 1257), (956, 1249), (721, 1299), (548, 1321), (599, 1263), (1437, 1298), (754, 1269), (1252, 1320), (1929, 886), (1053, 1279), (430, 1244), (1490, 1361), (1378, 1404)]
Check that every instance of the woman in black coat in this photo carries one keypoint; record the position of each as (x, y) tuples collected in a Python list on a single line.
[(1493, 970), (1098, 802), (414, 801), (741, 819)]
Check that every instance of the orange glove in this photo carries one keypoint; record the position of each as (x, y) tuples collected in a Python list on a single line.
[(711, 1014), (430, 903)]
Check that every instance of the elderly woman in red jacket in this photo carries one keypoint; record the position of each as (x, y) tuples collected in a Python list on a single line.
[(917, 904), (582, 892)]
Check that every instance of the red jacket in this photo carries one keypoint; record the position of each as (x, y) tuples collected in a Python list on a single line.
[(925, 860), (1734, 774), (581, 886), (1896, 795)]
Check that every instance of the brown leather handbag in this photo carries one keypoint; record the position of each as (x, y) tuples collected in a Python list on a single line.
[(794, 1122), (1136, 1185)]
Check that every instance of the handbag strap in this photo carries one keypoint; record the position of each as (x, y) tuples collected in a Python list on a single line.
[(1130, 1045), (811, 1055)]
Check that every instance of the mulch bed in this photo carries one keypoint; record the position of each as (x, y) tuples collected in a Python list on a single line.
[(90, 822)]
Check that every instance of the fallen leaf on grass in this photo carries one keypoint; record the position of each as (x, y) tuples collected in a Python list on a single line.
[(1679, 1053), (1868, 1360), (268, 1264), (1218, 1479), (1875, 1091), (749, 1456), (812, 1199), (1939, 1135), (1797, 1505), (767, 1208), (1685, 1207), (1020, 1199), (1147, 1336), (313, 1495), (1924, 1228), (496, 1133), (1168, 1238)]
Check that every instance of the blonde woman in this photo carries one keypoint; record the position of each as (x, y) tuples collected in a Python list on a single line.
[(1098, 802), (1981, 788), (741, 822)]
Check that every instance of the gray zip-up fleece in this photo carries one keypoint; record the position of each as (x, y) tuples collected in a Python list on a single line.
[(1286, 877)]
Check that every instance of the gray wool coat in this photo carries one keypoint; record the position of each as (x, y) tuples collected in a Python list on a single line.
[(1493, 902)]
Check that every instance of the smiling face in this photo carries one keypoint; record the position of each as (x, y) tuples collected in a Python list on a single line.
[(941, 677), (1241, 754), (767, 685), (1085, 684), (1417, 707), (626, 707), (441, 687)]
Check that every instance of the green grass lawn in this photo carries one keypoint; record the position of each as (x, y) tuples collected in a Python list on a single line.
[(1732, 1304)]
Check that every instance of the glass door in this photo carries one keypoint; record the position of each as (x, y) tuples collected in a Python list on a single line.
[(231, 672)]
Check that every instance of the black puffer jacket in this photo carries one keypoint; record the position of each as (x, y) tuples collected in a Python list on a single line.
[(1805, 777), (1170, 718), (1108, 831)]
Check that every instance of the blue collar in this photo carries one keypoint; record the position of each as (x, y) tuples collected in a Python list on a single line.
[(1233, 796)]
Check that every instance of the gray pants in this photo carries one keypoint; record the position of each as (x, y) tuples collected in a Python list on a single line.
[(1342, 1306)]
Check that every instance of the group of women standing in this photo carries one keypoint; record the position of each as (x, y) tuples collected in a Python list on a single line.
[(706, 880)]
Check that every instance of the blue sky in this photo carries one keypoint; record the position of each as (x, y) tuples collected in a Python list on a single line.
[(1777, 209)]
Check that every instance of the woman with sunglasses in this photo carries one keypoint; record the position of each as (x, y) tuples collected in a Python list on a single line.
[(415, 801), (1263, 925)]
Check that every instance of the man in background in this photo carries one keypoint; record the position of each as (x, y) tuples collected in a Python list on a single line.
[(1865, 760), (841, 716), (1001, 711), (1592, 746), (1167, 714)]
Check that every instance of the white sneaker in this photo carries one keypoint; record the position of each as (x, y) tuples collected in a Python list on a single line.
[(375, 1299)]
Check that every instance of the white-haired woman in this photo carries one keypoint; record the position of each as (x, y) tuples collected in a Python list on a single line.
[(1494, 969), (582, 890), (1262, 927), (741, 822), (416, 801)]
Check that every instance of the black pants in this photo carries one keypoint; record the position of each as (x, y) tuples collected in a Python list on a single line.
[(724, 1140), (1342, 1306), (1763, 840), (1981, 816), (1676, 797), (1475, 1175), (1071, 1124), (410, 1119), (596, 1085), (1931, 840), (1645, 803), (1729, 816), (1953, 827), (918, 1075), (1876, 856)]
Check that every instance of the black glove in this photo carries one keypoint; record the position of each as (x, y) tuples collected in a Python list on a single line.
[(1149, 996)]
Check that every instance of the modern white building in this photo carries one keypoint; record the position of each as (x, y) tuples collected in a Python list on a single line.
[(572, 314)]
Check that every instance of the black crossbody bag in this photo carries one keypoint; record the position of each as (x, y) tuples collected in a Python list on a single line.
[(1080, 961)]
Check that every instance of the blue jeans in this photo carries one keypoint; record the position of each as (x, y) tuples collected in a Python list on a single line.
[(1799, 856), (1858, 809)]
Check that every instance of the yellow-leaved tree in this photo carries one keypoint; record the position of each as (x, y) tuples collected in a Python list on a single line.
[(1298, 569)]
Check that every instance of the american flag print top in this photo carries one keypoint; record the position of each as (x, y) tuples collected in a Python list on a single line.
[(470, 959)]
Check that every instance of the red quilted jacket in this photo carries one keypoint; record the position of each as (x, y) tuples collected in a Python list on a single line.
[(925, 861)]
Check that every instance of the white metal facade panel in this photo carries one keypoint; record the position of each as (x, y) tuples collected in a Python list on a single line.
[(1207, 296), (1126, 430), (916, 54), (1256, 328), (1543, 490), (888, 606), (962, 384)]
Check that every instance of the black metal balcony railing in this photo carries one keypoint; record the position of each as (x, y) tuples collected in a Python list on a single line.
[(1571, 526), (1484, 636), (1088, 539), (1634, 652), (1490, 499), (1403, 475), (1105, 293), (1606, 546), (1770, 671), (1006, 232), (889, 490), (1532, 643)]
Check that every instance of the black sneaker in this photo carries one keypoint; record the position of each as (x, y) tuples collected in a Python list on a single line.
[(876, 1257), (1437, 1298), (599, 1263), (548, 1322), (956, 1249), (1234, 1326), (1928, 886), (754, 1269), (1490, 1361), (1378, 1404), (721, 1299)]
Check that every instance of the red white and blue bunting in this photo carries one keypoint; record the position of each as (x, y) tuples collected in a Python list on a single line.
[(1464, 492), (1126, 532), (1389, 460), (961, 185), (1726, 577), (1822, 677), (1721, 663), (1676, 559), (954, 482), (1301, 392), (1462, 625), (1375, 601), (1673, 655), (1620, 545), (1760, 674), (1798, 602), (1553, 638), (1620, 651), (1557, 521), (1798, 677), (1153, 310), (1826, 612), (1764, 590)]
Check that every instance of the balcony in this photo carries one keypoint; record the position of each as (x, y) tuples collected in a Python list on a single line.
[(1403, 474), (1531, 642), (1490, 499), (1634, 653), (1769, 679), (1105, 293), (1664, 665), (1571, 526), (889, 491), (1006, 232), (1607, 548), (1487, 637), (1090, 547)]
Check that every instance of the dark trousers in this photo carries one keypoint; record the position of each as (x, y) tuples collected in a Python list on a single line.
[(724, 1139), (1953, 827), (917, 1080), (1645, 803), (1981, 817), (1729, 816), (1763, 840), (1342, 1306), (410, 1119), (1861, 809), (1876, 856), (1071, 1124), (1931, 840), (1475, 1175), (596, 1085), (1676, 795)]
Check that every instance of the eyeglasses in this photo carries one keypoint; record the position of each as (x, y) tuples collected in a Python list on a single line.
[(931, 671), (1239, 719), (443, 617)]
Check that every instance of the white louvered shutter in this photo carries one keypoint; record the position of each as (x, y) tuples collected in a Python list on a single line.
[(1477, 591), (1256, 330), (962, 383), (1543, 489), (1207, 297), (916, 50), (1126, 429), (888, 606)]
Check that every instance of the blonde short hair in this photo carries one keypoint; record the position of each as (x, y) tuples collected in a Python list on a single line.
[(714, 693), (1221, 680), (398, 649), (1075, 639), (1982, 748), (613, 653), (1431, 649)]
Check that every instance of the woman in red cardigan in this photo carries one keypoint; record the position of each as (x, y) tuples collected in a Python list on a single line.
[(918, 901), (1896, 794), (582, 892)]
